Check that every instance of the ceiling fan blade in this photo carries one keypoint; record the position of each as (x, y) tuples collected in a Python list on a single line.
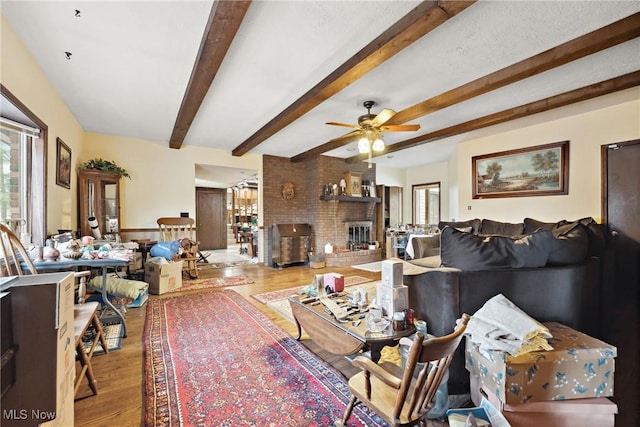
[(347, 137), (343, 125), (382, 117), (400, 128)]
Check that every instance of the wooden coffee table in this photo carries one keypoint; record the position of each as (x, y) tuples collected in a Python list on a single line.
[(337, 337)]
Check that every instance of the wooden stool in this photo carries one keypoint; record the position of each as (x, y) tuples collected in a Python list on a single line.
[(84, 316)]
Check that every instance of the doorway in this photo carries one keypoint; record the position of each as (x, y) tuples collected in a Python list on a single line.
[(620, 209), (211, 217)]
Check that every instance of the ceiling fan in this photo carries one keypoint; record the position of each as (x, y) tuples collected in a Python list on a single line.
[(368, 131)]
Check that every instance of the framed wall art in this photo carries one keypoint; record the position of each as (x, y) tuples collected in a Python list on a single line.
[(354, 184), (542, 170), (63, 164)]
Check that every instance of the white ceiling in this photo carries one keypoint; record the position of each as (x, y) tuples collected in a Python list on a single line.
[(131, 63)]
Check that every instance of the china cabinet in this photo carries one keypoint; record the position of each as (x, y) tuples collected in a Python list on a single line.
[(99, 197)]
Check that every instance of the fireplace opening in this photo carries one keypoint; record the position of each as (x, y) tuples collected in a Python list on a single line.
[(358, 234)]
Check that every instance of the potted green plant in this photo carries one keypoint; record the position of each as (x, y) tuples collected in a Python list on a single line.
[(104, 165)]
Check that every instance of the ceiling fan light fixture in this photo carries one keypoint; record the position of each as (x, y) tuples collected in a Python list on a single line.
[(378, 144), (363, 145)]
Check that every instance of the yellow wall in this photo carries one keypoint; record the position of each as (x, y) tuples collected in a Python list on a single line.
[(162, 179), (22, 76)]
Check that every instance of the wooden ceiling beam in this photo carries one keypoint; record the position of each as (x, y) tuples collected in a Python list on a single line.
[(590, 43), (577, 95), (224, 20), (611, 35), (414, 25)]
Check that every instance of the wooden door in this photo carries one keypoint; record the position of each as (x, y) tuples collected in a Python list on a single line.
[(621, 211), (211, 217)]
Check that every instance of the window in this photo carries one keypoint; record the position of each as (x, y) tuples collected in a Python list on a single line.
[(22, 178), (426, 204)]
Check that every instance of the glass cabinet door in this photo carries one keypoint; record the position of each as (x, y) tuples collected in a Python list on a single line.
[(99, 198)]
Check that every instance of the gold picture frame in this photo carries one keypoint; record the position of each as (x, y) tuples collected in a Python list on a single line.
[(63, 164), (354, 184), (542, 170)]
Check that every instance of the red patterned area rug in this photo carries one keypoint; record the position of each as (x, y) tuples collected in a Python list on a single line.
[(213, 282), (267, 297), (214, 359)]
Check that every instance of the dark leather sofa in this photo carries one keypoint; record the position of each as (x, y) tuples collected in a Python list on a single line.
[(552, 273)]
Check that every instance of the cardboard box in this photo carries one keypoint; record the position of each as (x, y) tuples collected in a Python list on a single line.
[(163, 277), (392, 273), (596, 411), (579, 367), (392, 299), (334, 281)]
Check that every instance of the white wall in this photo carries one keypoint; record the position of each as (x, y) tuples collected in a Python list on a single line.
[(391, 177), (587, 125), (438, 172)]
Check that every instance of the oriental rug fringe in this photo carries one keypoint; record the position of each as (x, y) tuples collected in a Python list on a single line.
[(214, 359)]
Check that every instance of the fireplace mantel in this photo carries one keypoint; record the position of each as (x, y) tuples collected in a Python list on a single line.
[(327, 198)]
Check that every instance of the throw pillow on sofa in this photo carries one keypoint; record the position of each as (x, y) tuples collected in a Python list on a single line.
[(473, 223), (531, 225), (596, 234), (467, 251), (497, 228), (570, 244)]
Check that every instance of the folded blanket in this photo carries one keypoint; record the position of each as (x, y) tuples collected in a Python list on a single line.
[(121, 288), (500, 325)]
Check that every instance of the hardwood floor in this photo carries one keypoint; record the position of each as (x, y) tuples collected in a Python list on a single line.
[(120, 373)]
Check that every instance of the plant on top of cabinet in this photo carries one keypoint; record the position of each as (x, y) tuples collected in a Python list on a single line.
[(105, 166)]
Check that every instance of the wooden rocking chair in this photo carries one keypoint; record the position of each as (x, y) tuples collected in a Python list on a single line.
[(403, 397), (183, 229), (14, 259)]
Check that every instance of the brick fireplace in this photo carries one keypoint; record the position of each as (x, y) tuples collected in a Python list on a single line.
[(328, 218)]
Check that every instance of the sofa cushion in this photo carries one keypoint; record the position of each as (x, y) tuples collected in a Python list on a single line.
[(596, 234), (570, 244), (427, 262), (470, 252), (473, 223), (531, 225), (497, 228)]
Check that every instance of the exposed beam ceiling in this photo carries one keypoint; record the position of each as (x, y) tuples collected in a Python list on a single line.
[(224, 20), (413, 26), (603, 38), (592, 91), (262, 78)]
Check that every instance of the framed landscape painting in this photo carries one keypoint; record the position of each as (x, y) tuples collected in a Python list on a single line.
[(542, 170), (63, 164)]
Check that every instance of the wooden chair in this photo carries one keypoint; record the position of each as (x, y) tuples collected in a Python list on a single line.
[(183, 229), (403, 397), (14, 259)]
